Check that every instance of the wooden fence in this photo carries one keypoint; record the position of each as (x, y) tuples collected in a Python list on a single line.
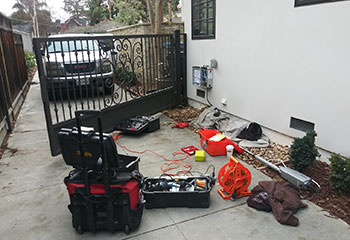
[(13, 74)]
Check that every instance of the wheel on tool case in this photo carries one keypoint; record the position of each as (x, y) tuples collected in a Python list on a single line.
[(80, 229), (127, 229)]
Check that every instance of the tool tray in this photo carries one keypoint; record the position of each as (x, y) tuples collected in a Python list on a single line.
[(139, 124), (158, 198)]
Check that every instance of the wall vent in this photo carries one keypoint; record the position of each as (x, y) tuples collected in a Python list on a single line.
[(301, 125), (200, 93)]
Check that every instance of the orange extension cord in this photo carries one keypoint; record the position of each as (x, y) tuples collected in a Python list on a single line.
[(171, 164)]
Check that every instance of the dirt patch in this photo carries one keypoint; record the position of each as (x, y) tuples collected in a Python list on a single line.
[(13, 151), (327, 198), (31, 74), (3, 147)]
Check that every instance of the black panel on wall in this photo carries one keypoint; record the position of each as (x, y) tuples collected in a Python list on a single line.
[(301, 125), (299, 3), (200, 93)]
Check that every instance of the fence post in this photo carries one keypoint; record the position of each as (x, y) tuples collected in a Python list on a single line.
[(5, 104), (177, 61)]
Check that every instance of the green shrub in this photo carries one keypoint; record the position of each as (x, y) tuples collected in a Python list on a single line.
[(30, 60), (126, 77), (340, 173), (303, 151)]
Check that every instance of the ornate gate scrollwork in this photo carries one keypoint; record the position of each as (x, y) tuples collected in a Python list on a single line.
[(102, 72)]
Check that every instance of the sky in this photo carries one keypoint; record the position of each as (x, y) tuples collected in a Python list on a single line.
[(54, 5)]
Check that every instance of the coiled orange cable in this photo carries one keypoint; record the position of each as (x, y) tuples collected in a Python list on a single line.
[(171, 164)]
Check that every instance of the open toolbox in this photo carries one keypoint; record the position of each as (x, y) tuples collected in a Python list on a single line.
[(192, 192), (139, 124)]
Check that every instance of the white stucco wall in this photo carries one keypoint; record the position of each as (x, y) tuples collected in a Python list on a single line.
[(27, 42), (276, 61)]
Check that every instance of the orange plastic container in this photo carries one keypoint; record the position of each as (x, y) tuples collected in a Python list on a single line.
[(211, 147)]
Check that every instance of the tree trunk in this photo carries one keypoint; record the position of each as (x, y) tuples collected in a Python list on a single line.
[(158, 30), (150, 7), (170, 12), (34, 28), (35, 21), (155, 10), (37, 25), (158, 17), (110, 9)]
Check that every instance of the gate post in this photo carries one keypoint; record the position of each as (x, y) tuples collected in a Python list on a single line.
[(184, 71), (177, 61), (45, 98)]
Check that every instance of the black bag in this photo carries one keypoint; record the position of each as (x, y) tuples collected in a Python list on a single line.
[(253, 132)]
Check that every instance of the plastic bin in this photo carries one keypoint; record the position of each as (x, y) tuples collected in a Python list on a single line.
[(154, 124), (163, 199), (139, 124), (211, 147)]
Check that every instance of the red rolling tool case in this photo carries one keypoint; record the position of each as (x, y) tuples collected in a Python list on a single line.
[(104, 187)]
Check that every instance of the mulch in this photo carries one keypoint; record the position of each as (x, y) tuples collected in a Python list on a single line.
[(337, 206), (183, 113), (327, 197)]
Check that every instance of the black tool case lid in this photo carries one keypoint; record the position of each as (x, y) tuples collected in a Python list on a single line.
[(68, 140)]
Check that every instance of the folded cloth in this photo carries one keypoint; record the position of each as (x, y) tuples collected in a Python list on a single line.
[(280, 197)]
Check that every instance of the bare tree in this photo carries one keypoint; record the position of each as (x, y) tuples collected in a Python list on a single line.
[(31, 7)]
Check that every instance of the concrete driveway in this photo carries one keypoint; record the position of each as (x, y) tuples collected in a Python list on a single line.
[(33, 198)]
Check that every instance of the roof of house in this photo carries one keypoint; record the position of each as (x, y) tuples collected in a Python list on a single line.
[(77, 21)]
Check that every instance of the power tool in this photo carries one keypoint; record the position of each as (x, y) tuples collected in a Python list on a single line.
[(292, 176)]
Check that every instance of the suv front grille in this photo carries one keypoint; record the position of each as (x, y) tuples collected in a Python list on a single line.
[(80, 67)]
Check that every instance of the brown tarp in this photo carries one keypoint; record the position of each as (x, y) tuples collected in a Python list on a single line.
[(281, 198)]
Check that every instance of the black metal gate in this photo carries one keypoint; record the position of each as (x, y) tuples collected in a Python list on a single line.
[(122, 76)]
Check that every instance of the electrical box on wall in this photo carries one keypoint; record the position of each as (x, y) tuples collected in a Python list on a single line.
[(202, 76)]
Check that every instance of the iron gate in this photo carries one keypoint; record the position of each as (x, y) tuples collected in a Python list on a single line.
[(122, 76)]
